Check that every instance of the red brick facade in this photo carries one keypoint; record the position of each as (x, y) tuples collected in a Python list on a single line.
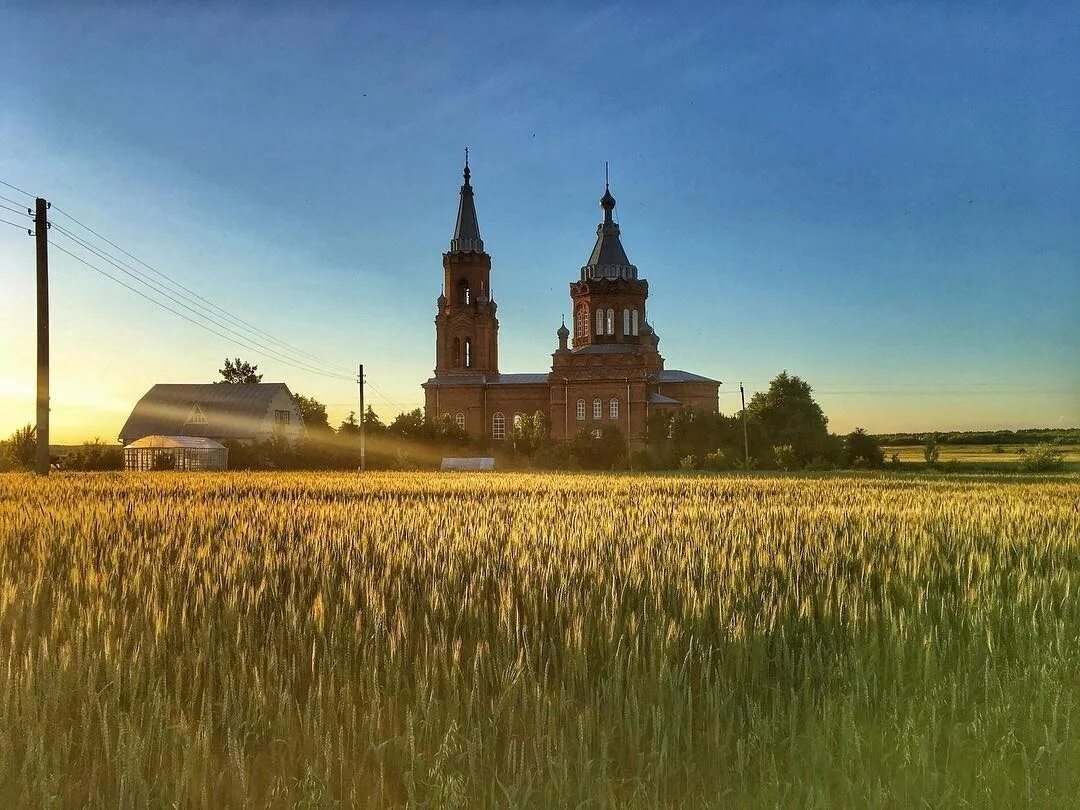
[(611, 374)]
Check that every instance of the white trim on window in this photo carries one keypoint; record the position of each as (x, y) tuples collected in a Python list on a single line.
[(581, 410), (599, 321), (597, 408), (613, 407), (460, 420), (498, 426)]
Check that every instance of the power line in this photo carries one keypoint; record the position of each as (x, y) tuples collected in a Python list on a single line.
[(14, 202), (16, 188), (16, 225), (321, 360), (20, 211), (180, 314), (161, 290)]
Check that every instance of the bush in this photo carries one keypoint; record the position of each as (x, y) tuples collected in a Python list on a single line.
[(688, 463), (820, 464), (95, 455), (717, 461), (1042, 459), (862, 450), (784, 457)]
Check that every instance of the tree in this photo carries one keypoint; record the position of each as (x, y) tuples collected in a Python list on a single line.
[(411, 425), (862, 450), (603, 452), (530, 433), (349, 425), (313, 412), (931, 451), (372, 423), (788, 414), (22, 446), (239, 371)]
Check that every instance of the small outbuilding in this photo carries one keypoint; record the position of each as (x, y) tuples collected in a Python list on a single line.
[(468, 464), (188, 453)]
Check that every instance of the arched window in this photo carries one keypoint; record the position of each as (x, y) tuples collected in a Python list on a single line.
[(633, 321), (468, 352), (498, 426), (626, 322), (597, 433), (581, 410), (582, 322), (599, 321), (519, 419), (457, 353), (611, 322), (464, 293), (446, 418), (597, 408), (460, 419), (613, 407)]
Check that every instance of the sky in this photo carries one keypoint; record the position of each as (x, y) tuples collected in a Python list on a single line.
[(881, 198)]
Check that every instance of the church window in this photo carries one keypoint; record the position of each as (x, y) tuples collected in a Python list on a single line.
[(460, 419), (626, 322), (599, 321), (457, 353), (519, 420), (613, 407), (597, 408), (581, 410), (611, 322), (446, 418), (464, 293), (583, 322), (597, 434), (633, 322), (468, 353), (498, 426)]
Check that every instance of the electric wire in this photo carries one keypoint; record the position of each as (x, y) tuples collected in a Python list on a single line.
[(321, 360), (179, 314), (162, 290), (16, 188), (19, 211), (20, 227), (23, 206)]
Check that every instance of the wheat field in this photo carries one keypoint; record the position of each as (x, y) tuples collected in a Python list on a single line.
[(327, 640)]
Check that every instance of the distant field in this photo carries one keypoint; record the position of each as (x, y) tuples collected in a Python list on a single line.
[(511, 640), (980, 453)]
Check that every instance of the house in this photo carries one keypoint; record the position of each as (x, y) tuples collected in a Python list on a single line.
[(608, 373), (245, 412)]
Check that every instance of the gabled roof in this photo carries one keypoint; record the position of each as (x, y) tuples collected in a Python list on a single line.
[(227, 410)]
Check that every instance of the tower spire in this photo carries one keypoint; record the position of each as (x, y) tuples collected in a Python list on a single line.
[(467, 229)]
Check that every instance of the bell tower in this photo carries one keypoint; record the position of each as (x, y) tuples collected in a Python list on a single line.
[(609, 298), (466, 329)]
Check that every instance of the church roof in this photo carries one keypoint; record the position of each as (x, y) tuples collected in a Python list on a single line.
[(608, 258), (467, 229), (490, 379), (676, 376)]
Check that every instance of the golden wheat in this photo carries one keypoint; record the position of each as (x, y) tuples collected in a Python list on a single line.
[(521, 640)]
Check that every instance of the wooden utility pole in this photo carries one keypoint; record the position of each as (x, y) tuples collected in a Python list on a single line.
[(360, 386), (41, 233), (745, 441)]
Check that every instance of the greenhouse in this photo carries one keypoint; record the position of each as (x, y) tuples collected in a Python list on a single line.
[(187, 453)]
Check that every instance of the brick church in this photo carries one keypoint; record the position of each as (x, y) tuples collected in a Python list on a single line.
[(609, 372)]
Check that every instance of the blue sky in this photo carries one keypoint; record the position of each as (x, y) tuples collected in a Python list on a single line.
[(882, 199)]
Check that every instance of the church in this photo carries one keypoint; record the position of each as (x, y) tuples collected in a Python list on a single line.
[(608, 373)]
